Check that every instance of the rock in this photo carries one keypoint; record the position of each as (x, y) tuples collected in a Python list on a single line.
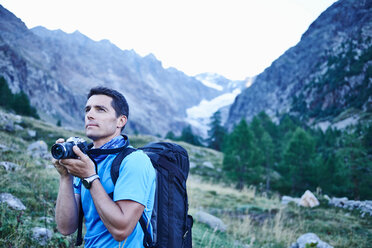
[(9, 166), (327, 198), (363, 206), (310, 238), (308, 199), (9, 127), (17, 118), (18, 127), (212, 221), (294, 245), (46, 219), (287, 199), (192, 165), (12, 201), (208, 164), (42, 235), (31, 133), (338, 202), (4, 148), (39, 149)]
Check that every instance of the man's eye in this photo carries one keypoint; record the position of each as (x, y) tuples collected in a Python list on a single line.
[(101, 110)]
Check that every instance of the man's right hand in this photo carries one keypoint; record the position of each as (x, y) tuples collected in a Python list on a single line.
[(57, 164)]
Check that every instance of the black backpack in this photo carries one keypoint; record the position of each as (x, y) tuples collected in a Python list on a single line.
[(170, 221)]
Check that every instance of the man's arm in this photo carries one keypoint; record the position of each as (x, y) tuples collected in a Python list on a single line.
[(67, 207), (121, 217)]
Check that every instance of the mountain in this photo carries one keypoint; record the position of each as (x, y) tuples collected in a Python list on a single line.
[(56, 70), (325, 79)]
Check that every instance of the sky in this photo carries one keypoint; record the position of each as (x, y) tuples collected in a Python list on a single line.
[(233, 38)]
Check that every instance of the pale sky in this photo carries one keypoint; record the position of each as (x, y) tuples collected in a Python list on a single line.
[(234, 38)]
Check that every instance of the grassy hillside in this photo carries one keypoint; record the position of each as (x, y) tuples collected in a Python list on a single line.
[(253, 219)]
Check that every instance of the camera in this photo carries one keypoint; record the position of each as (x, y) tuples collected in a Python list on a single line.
[(64, 150)]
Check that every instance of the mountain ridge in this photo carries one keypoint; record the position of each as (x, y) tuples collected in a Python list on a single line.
[(274, 89), (66, 66)]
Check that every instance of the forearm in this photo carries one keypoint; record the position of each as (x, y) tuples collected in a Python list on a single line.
[(66, 208), (118, 223)]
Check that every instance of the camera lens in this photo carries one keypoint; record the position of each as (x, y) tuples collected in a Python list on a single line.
[(58, 151)]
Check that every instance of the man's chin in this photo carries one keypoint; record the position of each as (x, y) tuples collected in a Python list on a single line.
[(91, 135)]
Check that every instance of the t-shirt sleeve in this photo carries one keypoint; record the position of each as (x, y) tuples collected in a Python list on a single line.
[(77, 185), (136, 176)]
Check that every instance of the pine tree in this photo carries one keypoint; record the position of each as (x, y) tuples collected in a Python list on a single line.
[(268, 162), (170, 135), (21, 105), (298, 161), (188, 136), (6, 96), (356, 165), (328, 166), (238, 156), (18, 102), (216, 132)]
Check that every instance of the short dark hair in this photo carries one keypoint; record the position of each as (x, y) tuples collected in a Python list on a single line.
[(119, 103)]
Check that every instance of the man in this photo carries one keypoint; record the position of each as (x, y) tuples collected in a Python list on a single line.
[(109, 222)]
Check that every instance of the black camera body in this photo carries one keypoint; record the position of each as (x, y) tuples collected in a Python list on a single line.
[(64, 150)]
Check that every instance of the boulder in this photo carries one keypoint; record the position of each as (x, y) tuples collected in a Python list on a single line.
[(308, 199), (39, 149), (9, 166), (41, 235), (12, 201), (310, 238), (212, 221), (31, 133)]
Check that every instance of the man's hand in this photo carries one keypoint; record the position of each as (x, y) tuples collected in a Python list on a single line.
[(81, 167), (60, 168)]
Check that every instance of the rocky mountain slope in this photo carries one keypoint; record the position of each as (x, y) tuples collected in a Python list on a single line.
[(56, 70), (325, 79)]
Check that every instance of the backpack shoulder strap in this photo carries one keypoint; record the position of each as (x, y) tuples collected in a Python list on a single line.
[(115, 166)]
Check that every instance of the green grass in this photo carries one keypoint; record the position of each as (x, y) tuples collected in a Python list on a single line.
[(260, 221), (252, 218)]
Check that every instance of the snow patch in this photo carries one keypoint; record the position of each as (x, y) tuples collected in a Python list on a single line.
[(207, 108), (199, 116), (209, 81), (211, 85)]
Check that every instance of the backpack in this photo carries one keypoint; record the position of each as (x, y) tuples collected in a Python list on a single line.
[(170, 221)]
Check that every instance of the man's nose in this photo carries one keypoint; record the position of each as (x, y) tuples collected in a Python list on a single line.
[(89, 115)]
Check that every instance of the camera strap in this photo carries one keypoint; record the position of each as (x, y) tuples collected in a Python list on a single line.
[(98, 154)]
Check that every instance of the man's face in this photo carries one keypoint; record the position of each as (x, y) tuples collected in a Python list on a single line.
[(101, 122)]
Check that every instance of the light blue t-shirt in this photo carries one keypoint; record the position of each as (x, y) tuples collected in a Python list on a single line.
[(136, 182)]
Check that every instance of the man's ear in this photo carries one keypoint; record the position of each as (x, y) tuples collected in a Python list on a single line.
[(122, 120)]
